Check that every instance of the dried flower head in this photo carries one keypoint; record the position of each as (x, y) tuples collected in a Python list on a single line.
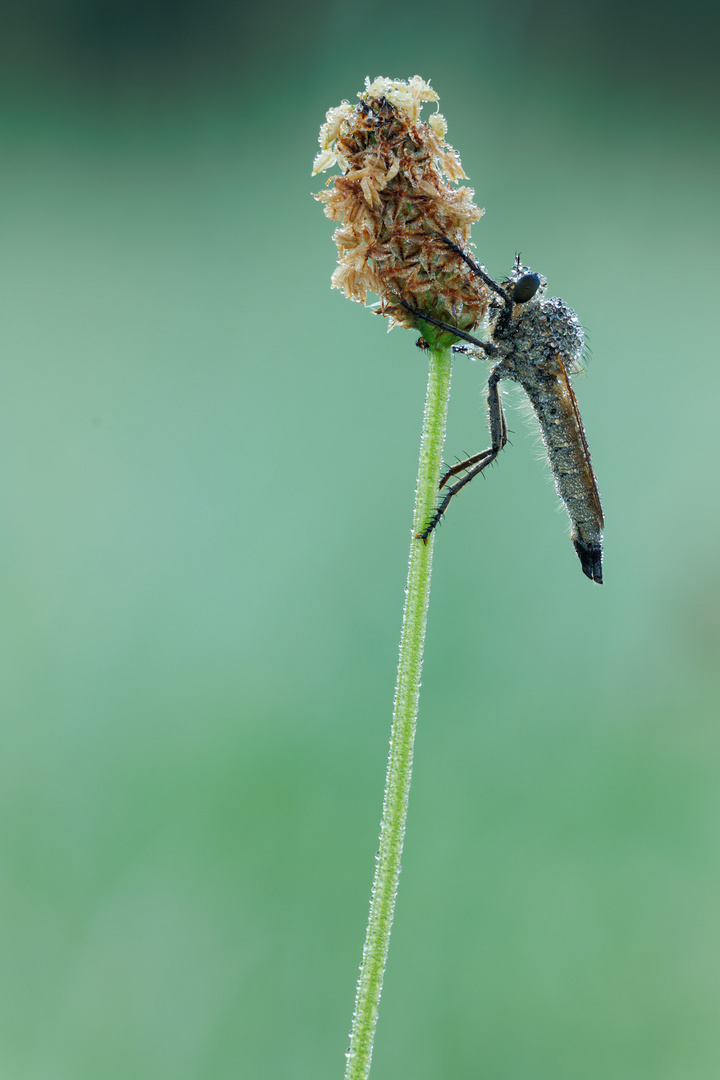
[(395, 205)]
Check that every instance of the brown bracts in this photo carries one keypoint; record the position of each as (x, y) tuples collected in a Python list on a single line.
[(396, 195), (537, 343)]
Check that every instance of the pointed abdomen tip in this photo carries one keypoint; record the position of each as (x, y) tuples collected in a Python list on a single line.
[(590, 556)]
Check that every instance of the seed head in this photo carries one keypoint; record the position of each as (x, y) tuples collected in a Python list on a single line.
[(394, 206)]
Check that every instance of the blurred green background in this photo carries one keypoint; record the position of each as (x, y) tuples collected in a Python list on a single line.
[(207, 465)]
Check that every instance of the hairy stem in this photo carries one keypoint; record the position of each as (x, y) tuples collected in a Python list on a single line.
[(407, 691)]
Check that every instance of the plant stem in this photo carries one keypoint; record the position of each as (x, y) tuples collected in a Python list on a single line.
[(407, 691)]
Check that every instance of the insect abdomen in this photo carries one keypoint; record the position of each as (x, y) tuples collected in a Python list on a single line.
[(554, 404)]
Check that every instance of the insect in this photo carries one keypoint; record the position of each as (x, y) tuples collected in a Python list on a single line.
[(537, 343)]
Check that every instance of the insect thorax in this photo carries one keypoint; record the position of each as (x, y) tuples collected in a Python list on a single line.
[(537, 332)]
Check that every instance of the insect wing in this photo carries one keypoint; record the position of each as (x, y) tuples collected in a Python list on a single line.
[(568, 395)]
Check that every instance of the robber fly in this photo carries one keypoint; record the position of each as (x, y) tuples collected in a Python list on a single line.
[(537, 343)]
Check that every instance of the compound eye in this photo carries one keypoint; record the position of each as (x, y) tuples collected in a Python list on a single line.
[(525, 288)]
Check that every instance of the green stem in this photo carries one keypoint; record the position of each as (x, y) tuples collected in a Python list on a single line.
[(407, 690)]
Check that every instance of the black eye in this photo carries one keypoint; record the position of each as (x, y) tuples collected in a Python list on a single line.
[(525, 288)]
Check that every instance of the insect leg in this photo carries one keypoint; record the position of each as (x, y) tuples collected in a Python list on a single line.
[(477, 270), (506, 297), (486, 346), (478, 462)]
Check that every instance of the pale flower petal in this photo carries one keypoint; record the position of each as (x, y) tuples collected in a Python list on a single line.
[(333, 122), (439, 124), (323, 161)]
